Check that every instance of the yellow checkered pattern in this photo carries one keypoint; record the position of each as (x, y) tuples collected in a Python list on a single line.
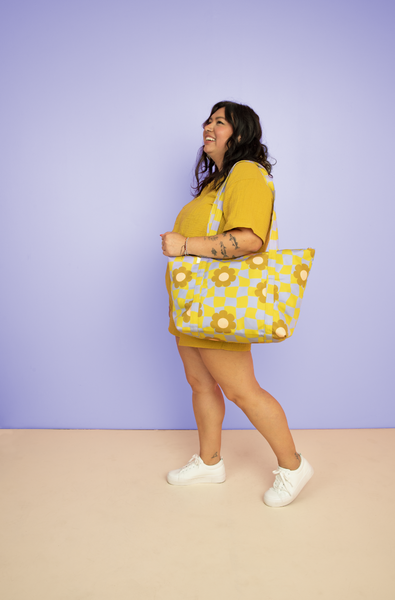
[(254, 298)]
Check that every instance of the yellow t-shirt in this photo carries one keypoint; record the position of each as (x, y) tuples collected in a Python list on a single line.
[(248, 202)]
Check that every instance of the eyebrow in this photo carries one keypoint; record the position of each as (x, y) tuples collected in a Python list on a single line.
[(216, 118)]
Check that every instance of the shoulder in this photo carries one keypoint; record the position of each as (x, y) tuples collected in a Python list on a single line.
[(247, 170), (249, 177)]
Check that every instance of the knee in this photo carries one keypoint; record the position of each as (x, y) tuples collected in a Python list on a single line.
[(238, 397), (242, 397), (200, 385)]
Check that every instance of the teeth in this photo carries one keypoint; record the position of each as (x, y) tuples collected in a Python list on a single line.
[(210, 139)]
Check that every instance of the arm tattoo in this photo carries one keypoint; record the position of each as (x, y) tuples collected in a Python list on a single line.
[(214, 252), (213, 237), (223, 250), (215, 455), (233, 240)]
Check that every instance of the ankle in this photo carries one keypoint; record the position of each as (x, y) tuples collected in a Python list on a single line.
[(212, 460), (291, 463)]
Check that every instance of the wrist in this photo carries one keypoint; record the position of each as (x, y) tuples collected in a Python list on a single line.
[(184, 248)]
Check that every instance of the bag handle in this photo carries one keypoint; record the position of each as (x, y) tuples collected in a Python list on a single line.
[(271, 242)]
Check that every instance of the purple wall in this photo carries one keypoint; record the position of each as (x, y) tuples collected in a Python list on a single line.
[(101, 107)]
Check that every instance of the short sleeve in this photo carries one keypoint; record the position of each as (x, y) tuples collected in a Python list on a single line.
[(248, 200)]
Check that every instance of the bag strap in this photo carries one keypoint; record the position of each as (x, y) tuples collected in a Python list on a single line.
[(271, 242)]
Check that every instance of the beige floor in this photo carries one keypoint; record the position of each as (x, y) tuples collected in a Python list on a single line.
[(89, 515)]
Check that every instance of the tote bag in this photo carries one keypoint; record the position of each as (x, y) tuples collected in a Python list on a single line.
[(254, 298)]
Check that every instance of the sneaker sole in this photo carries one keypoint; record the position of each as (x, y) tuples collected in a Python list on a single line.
[(196, 480)]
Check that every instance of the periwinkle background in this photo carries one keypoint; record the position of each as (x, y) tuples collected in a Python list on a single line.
[(101, 111)]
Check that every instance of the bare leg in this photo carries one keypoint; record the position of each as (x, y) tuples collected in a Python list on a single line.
[(234, 371), (208, 404)]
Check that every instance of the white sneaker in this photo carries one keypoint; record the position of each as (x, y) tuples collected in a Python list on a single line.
[(196, 471), (288, 484)]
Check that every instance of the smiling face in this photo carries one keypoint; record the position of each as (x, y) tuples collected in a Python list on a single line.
[(217, 131)]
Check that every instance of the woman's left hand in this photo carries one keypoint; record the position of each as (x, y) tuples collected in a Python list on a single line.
[(173, 244)]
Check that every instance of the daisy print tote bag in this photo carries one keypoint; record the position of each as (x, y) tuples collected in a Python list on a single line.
[(254, 298)]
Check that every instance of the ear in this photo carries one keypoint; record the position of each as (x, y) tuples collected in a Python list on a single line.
[(239, 138)]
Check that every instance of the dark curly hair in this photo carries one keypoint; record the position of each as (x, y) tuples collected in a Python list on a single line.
[(244, 144)]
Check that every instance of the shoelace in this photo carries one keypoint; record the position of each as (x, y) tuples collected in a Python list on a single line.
[(281, 481), (194, 461)]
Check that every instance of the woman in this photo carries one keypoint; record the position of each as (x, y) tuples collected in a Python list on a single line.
[(231, 134)]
